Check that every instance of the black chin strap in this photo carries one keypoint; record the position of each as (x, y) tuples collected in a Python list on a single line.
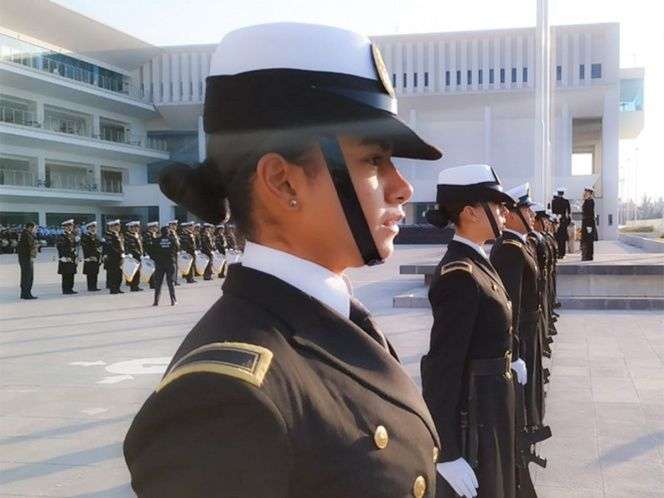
[(349, 201), (526, 225), (492, 220)]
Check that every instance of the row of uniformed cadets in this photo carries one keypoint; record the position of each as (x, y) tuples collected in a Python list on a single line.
[(286, 388), (111, 250)]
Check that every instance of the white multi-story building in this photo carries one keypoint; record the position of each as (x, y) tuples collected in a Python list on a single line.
[(88, 114)]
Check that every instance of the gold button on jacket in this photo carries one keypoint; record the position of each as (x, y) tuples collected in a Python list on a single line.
[(381, 438), (419, 487)]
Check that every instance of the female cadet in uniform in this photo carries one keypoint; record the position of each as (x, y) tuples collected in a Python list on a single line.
[(286, 388), (466, 375)]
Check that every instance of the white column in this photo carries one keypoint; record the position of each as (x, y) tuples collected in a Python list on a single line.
[(398, 67), (485, 63), (463, 64), (194, 75), (587, 59), (487, 134), (610, 156), (564, 64), (39, 111), (531, 61), (431, 67), (575, 60), (175, 77), (542, 122), (410, 68), (497, 63), (508, 62), (201, 140), (185, 74), (519, 61), (96, 125), (442, 67), (41, 216), (165, 71), (41, 168), (154, 80), (420, 68), (474, 63), (166, 211), (452, 67), (96, 175)]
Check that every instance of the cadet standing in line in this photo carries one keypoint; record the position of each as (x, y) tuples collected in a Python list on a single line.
[(92, 250), (467, 372), (561, 207), (221, 245), (173, 232), (150, 237), (518, 269), (588, 226), (164, 254), (27, 252), (114, 252), (285, 388), (188, 245), (67, 264), (134, 247), (207, 246)]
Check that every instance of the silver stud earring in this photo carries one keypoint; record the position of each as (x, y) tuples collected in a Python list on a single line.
[(292, 203)]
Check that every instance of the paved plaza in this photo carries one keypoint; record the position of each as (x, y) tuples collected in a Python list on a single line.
[(75, 369)]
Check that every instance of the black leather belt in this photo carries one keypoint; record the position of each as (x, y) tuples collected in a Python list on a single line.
[(493, 366)]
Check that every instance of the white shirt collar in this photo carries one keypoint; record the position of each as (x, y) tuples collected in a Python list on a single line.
[(472, 244), (521, 236), (315, 280)]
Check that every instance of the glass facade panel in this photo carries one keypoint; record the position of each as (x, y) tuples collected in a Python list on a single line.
[(631, 95)]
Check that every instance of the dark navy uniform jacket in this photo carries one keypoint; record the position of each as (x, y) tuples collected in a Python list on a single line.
[(275, 395)]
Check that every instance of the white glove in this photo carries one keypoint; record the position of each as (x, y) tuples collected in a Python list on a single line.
[(123, 255), (519, 366), (460, 476), (589, 229), (77, 238), (64, 260)]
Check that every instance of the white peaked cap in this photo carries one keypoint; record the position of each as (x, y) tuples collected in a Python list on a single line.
[(561, 189), (173, 222), (186, 223), (113, 222), (521, 194), (92, 223), (469, 174), (208, 225), (153, 224), (67, 222), (132, 223), (590, 188), (269, 46)]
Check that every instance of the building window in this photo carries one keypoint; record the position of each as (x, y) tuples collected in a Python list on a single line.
[(513, 75), (491, 77), (596, 71), (426, 79), (415, 80), (191, 88), (582, 72), (447, 78), (161, 89), (181, 89), (200, 88), (480, 79), (559, 73), (394, 80), (170, 88), (458, 78), (525, 75), (405, 80), (502, 75)]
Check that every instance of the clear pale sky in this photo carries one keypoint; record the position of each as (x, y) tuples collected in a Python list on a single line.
[(181, 22)]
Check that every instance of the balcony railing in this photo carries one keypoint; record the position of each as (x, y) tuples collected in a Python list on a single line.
[(79, 128), (42, 60), (68, 126), (18, 116), (17, 178), (111, 186)]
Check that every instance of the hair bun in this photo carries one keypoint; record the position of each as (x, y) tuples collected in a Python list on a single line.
[(198, 189), (437, 218)]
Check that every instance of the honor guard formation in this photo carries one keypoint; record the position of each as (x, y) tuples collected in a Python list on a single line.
[(286, 388)]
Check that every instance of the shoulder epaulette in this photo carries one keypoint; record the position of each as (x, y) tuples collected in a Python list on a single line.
[(513, 242), (246, 362), (456, 265)]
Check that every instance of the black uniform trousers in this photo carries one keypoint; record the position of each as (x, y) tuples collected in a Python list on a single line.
[(92, 280), (561, 239), (159, 274), (114, 277), (192, 271), (67, 283), (133, 283), (27, 276), (587, 240)]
